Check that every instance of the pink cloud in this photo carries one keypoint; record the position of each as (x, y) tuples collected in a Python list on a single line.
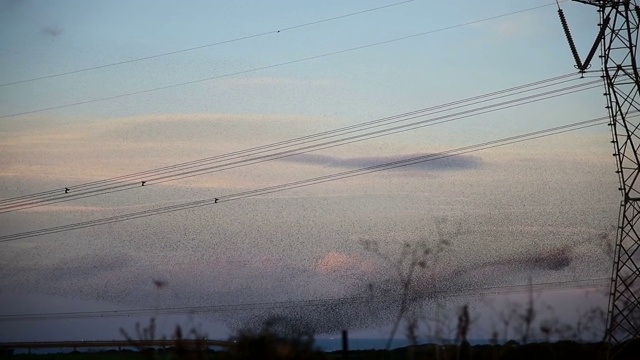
[(336, 263)]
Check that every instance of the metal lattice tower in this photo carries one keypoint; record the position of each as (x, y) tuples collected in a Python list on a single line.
[(618, 40)]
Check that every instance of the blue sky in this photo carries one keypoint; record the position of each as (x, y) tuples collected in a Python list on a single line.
[(514, 203)]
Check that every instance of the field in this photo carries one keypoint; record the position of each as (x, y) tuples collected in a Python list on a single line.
[(546, 351)]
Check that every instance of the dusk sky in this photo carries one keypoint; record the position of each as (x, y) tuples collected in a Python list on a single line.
[(254, 73)]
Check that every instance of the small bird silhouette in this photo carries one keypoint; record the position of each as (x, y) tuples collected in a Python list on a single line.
[(143, 182), (215, 200), (66, 190), (160, 283)]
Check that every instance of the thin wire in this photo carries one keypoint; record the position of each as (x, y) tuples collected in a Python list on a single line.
[(267, 66), (167, 176), (269, 190), (389, 166), (288, 153), (289, 186), (308, 182), (306, 137), (284, 155), (204, 46), (29, 199), (556, 285)]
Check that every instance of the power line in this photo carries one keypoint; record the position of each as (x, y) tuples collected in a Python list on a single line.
[(285, 142), (135, 178), (270, 66), (274, 156), (308, 182), (271, 32), (505, 289), (115, 187), (246, 157)]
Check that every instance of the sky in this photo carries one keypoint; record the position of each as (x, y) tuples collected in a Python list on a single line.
[(243, 74)]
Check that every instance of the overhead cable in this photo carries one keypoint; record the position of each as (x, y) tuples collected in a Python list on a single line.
[(312, 181), (185, 83), (271, 32), (188, 164), (283, 149)]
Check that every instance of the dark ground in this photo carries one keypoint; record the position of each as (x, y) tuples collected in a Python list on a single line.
[(511, 351)]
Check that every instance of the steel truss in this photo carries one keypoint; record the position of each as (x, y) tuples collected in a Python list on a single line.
[(619, 20)]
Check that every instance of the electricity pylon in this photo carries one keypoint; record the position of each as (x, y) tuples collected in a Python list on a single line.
[(618, 42)]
